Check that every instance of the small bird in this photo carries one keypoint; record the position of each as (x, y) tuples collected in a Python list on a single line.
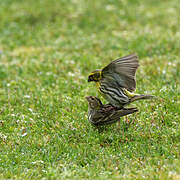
[(116, 82), (99, 114)]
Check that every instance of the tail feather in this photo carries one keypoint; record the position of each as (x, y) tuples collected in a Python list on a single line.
[(141, 96)]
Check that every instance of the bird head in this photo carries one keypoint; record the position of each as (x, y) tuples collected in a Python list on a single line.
[(94, 102), (94, 76)]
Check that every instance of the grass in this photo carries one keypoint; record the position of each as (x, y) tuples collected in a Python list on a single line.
[(47, 49)]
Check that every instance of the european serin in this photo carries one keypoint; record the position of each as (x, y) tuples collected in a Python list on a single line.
[(116, 82)]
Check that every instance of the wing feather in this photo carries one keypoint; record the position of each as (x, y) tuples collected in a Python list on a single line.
[(109, 116), (123, 71)]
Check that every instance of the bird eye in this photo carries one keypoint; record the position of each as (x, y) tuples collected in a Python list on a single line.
[(92, 98)]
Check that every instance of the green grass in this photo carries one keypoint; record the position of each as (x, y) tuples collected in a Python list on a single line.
[(47, 49)]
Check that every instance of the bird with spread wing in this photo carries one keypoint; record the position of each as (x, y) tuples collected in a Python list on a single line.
[(116, 82)]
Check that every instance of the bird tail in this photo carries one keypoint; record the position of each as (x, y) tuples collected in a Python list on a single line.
[(141, 96)]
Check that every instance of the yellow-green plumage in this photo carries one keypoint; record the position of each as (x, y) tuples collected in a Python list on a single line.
[(116, 82)]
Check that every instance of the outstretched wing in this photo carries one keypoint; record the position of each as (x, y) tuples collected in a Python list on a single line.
[(122, 71)]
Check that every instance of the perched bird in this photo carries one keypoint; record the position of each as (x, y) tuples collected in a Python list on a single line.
[(99, 114), (116, 82)]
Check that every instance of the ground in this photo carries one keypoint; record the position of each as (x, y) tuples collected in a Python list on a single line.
[(47, 50)]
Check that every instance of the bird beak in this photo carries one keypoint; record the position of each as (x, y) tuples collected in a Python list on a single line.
[(89, 79), (87, 97)]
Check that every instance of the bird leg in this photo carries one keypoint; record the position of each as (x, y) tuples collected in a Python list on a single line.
[(127, 120), (119, 124)]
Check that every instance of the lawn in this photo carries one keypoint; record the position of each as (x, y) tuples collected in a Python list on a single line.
[(47, 50)]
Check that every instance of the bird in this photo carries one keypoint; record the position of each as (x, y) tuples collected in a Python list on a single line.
[(116, 82), (99, 114)]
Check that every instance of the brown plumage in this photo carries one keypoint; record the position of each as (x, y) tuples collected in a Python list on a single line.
[(99, 114)]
